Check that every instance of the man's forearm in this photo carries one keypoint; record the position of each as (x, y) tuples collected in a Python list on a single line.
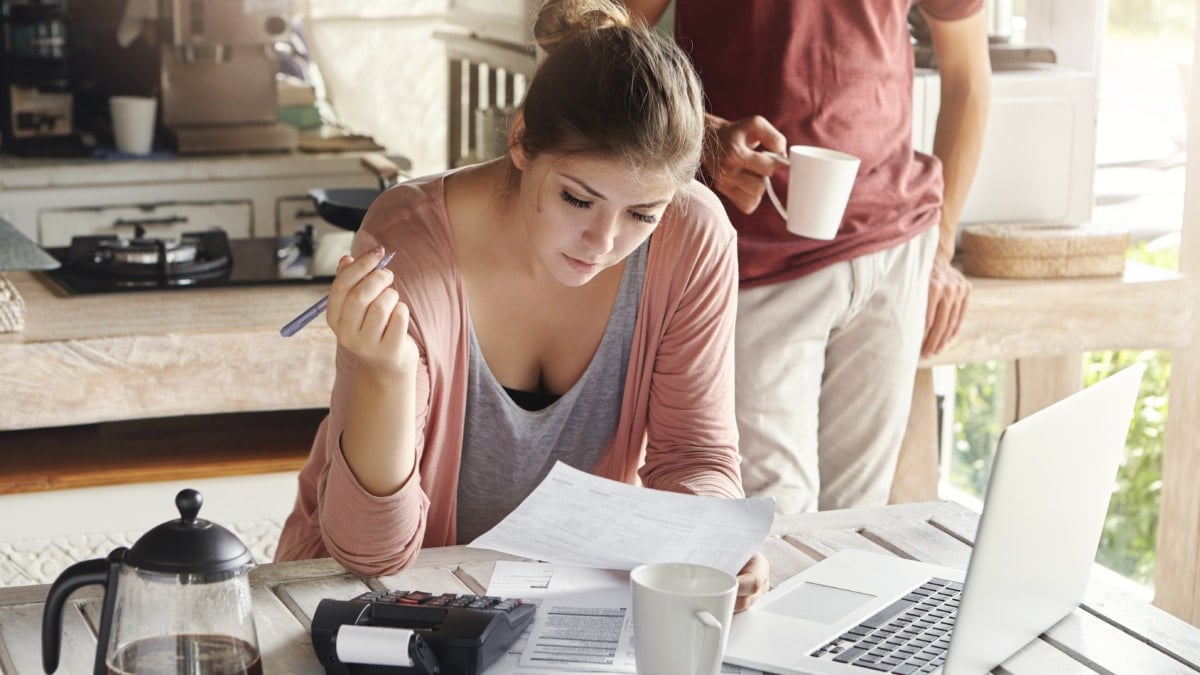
[(958, 144)]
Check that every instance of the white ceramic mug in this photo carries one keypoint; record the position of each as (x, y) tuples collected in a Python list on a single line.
[(818, 189), (133, 123), (681, 615)]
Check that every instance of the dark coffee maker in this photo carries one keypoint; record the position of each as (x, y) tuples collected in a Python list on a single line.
[(177, 602), (36, 103)]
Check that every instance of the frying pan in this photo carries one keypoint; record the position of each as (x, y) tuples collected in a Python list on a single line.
[(345, 207)]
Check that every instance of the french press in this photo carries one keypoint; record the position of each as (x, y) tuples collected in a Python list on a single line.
[(175, 603)]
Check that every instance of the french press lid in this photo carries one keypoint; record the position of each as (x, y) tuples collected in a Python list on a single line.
[(190, 545)]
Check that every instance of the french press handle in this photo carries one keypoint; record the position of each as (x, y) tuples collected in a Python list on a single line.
[(102, 571)]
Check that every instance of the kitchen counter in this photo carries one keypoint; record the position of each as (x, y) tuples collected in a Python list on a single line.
[(84, 359), (1006, 319)]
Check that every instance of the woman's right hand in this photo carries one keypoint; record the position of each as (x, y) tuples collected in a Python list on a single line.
[(367, 316)]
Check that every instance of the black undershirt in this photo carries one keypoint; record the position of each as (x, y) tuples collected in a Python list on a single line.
[(531, 400)]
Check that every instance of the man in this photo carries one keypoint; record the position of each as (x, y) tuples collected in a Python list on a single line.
[(829, 332)]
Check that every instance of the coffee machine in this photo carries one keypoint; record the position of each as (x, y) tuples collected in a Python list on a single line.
[(217, 75), (36, 115)]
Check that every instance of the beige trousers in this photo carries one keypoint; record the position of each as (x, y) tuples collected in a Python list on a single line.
[(825, 366)]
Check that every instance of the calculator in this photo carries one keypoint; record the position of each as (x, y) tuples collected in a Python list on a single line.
[(439, 633)]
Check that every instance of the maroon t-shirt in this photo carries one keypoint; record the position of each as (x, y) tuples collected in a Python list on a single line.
[(831, 73)]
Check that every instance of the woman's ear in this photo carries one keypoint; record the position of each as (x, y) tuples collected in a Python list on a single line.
[(516, 138)]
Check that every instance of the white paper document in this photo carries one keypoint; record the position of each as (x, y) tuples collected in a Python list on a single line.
[(575, 518), (583, 622)]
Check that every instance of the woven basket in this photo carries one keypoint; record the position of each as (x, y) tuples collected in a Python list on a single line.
[(1041, 251)]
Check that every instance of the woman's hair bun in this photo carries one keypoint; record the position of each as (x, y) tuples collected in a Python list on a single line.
[(560, 20)]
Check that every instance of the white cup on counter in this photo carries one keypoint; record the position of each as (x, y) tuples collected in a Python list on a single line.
[(133, 123), (819, 186), (681, 616)]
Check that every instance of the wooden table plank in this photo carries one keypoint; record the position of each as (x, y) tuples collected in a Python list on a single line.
[(919, 541), (824, 543), (1143, 620), (1106, 648), (20, 631), (431, 579), (283, 640), (296, 571), (786, 561), (1041, 658), (961, 523), (302, 597), (476, 575)]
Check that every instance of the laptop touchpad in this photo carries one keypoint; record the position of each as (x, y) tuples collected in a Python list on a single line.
[(815, 602)]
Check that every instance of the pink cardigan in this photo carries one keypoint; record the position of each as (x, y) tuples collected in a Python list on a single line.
[(676, 430)]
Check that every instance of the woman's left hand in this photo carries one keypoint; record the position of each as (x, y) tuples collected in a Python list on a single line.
[(753, 581)]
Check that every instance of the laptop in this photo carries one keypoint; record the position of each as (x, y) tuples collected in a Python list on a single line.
[(1047, 497)]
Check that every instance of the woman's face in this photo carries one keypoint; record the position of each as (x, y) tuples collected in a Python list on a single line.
[(584, 213)]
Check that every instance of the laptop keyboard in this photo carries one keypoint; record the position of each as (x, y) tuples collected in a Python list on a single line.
[(908, 636)]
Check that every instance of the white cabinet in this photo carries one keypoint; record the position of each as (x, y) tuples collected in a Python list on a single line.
[(1038, 160), (247, 195)]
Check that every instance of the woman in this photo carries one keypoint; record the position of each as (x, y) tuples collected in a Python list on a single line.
[(573, 300)]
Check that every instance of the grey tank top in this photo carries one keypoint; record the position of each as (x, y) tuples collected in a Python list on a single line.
[(508, 450)]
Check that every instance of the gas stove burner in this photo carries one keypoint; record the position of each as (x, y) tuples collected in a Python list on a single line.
[(202, 259), (147, 251), (149, 262)]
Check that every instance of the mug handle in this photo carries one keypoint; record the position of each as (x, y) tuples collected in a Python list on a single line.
[(767, 181), (710, 661)]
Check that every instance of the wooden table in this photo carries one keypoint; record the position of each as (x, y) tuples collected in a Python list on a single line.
[(1113, 633)]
